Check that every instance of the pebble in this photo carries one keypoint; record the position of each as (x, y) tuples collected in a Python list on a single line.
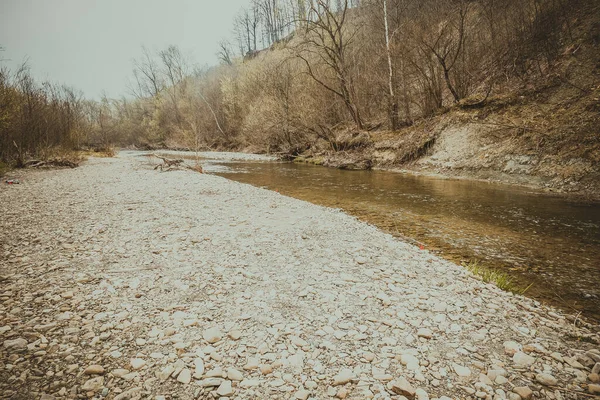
[(523, 391), (185, 376), (343, 377), (93, 385), (15, 344), (546, 379), (403, 387), (94, 370), (302, 394), (225, 389), (461, 371), (523, 360), (137, 363), (234, 375), (212, 335)]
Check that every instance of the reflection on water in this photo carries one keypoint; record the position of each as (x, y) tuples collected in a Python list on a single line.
[(551, 242)]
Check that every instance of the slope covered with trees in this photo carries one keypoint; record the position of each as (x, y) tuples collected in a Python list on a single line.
[(464, 85)]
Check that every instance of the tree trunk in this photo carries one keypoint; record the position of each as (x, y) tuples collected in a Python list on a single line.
[(393, 103)]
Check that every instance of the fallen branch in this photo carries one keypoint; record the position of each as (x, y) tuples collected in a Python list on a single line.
[(51, 163), (168, 163)]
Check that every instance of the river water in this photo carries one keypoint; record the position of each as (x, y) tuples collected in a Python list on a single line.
[(547, 243)]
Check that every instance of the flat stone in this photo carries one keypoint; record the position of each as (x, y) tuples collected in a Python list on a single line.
[(212, 335), (199, 368), (425, 333), (302, 394), (403, 387), (234, 375), (119, 372), (511, 347), (249, 383), (546, 379), (225, 389), (524, 392), (15, 344), (234, 335), (94, 370), (210, 382), (166, 372), (343, 377), (137, 363), (93, 385), (523, 360), (461, 371), (593, 388), (185, 376)]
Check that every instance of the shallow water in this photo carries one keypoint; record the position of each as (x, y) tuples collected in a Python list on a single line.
[(551, 243)]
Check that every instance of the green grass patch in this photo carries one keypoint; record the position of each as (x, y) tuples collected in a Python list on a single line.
[(501, 279)]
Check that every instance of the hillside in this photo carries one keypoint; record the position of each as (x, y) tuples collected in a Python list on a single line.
[(505, 91)]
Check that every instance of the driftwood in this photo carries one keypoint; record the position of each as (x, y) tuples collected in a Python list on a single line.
[(51, 163), (168, 163)]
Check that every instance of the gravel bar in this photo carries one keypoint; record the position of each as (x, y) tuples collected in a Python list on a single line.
[(121, 282)]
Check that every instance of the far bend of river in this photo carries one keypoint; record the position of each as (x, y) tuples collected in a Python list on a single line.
[(550, 242)]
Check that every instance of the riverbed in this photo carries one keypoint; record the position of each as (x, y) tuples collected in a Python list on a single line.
[(120, 281)]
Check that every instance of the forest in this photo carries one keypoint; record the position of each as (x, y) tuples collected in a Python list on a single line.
[(324, 77)]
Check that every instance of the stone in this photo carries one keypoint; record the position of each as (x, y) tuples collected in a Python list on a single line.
[(524, 392), (166, 372), (185, 376), (119, 372), (210, 382), (523, 360), (302, 394), (343, 377), (234, 335), (15, 344), (403, 387), (342, 393), (266, 369), (249, 383), (212, 335), (421, 394), (198, 368), (546, 379), (93, 385), (425, 333), (461, 371), (596, 368), (94, 370), (595, 378), (511, 347), (137, 363), (411, 362), (594, 389), (234, 375), (225, 389)]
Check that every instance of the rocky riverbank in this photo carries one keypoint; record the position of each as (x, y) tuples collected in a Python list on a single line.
[(122, 282)]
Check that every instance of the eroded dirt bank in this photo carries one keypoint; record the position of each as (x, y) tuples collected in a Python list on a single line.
[(122, 282)]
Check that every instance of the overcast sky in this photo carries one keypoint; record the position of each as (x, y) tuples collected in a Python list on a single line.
[(90, 44)]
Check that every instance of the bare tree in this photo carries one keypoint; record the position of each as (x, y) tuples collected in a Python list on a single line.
[(447, 44), (326, 44), (148, 77)]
